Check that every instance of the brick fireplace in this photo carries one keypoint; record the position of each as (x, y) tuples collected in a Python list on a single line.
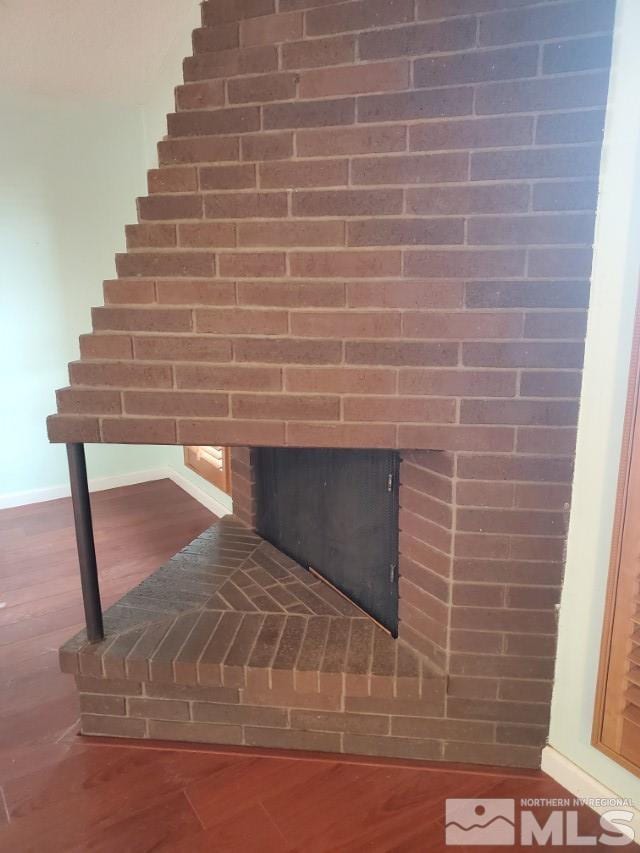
[(370, 227)]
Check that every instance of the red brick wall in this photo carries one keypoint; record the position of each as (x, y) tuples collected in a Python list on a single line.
[(426, 523), (371, 225), (243, 485)]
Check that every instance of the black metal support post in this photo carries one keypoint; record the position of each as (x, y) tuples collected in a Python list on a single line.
[(84, 539)]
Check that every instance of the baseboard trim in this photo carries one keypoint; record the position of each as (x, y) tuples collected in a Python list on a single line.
[(581, 784), (207, 500), (99, 484)]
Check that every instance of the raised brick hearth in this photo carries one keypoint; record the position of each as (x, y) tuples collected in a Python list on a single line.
[(370, 227), (231, 642)]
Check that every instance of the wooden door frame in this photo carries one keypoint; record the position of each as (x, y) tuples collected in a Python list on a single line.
[(630, 441), (224, 483)]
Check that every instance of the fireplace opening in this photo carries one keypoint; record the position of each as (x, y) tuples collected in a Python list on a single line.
[(336, 513)]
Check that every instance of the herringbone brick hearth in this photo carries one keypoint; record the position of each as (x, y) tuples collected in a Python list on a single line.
[(232, 642)]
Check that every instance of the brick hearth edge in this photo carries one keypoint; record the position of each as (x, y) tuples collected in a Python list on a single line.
[(232, 642)]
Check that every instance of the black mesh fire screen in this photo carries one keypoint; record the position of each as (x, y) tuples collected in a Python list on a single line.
[(336, 512)]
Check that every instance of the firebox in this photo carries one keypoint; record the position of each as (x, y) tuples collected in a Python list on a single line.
[(335, 512)]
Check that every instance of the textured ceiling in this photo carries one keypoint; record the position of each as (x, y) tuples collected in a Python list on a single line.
[(109, 49)]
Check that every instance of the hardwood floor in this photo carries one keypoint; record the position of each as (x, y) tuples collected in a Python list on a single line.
[(62, 793)]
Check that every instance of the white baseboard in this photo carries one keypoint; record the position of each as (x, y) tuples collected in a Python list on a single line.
[(581, 784), (207, 500), (99, 484)]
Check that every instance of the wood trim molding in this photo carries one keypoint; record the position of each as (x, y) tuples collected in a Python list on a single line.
[(609, 699), (217, 473)]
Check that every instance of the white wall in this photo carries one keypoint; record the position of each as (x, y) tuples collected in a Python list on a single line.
[(159, 102), (97, 49), (71, 168), (159, 99), (614, 289), (69, 172)]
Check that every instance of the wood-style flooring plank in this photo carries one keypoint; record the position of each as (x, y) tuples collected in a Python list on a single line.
[(61, 793)]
